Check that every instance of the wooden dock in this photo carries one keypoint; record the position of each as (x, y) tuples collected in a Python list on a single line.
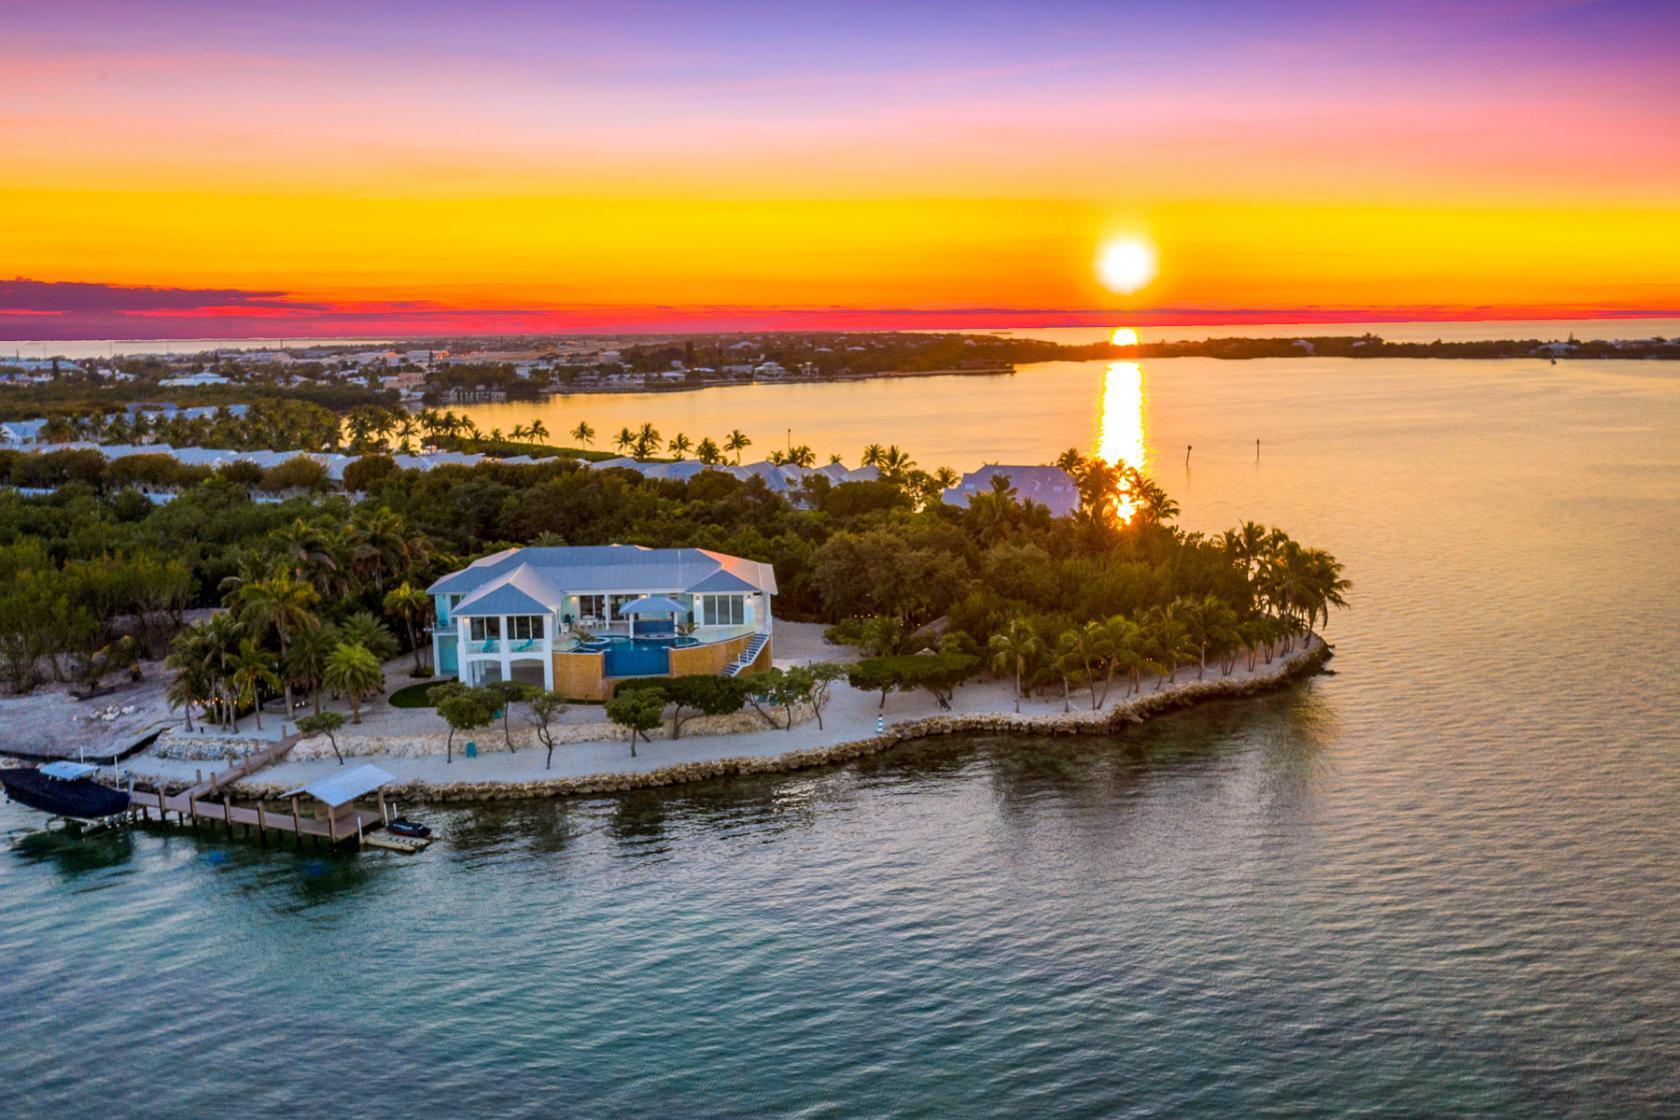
[(195, 812), (207, 802)]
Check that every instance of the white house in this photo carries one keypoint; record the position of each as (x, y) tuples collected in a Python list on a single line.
[(577, 619)]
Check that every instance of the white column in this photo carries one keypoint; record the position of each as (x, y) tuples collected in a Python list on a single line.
[(504, 646)]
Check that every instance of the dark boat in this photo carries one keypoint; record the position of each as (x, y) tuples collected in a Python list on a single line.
[(64, 790), (402, 826)]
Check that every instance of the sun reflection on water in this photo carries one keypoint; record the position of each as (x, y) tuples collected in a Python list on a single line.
[(1122, 426)]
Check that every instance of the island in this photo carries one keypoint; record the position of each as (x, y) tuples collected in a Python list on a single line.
[(556, 626)]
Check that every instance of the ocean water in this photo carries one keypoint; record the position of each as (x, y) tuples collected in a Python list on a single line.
[(1443, 881)]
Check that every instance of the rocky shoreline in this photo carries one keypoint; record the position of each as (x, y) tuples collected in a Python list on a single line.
[(1301, 663)]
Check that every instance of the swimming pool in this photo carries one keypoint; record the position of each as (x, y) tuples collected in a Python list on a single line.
[(636, 657)]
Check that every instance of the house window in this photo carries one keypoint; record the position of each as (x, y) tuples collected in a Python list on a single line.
[(525, 627), (592, 606), (618, 601), (485, 629), (723, 610)]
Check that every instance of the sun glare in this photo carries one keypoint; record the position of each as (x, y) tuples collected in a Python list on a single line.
[(1124, 336), (1126, 265)]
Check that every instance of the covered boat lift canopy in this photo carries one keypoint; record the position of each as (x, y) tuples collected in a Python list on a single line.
[(341, 789)]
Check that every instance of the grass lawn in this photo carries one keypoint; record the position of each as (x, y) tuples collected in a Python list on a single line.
[(413, 696)]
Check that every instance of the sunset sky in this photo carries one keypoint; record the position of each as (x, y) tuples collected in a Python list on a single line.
[(195, 169)]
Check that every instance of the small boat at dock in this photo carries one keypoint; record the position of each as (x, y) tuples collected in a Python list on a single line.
[(63, 789)]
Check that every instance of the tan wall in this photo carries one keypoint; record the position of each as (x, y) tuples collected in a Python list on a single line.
[(762, 661), (580, 676), (706, 660)]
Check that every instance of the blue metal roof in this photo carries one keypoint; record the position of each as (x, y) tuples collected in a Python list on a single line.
[(604, 569)]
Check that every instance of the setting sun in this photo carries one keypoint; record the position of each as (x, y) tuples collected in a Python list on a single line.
[(1125, 266), (1124, 336)]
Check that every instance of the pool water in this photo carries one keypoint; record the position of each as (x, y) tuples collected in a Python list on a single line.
[(638, 656)]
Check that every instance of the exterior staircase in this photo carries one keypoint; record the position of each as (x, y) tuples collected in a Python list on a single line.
[(755, 647)]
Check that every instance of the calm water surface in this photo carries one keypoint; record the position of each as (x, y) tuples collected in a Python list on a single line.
[(1444, 881)]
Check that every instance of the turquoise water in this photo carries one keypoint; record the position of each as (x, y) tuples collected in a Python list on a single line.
[(637, 657), (1444, 881)]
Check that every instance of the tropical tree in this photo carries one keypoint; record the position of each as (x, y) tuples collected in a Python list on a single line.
[(412, 605), (639, 710), (537, 430), (365, 629), (546, 708), (282, 604), (463, 708), (583, 433), (249, 672), (647, 441), (679, 445), (306, 660), (324, 723), (1014, 651), (708, 452), (354, 670), (737, 442), (509, 693), (625, 439)]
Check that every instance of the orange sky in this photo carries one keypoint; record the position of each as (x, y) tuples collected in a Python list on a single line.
[(517, 162)]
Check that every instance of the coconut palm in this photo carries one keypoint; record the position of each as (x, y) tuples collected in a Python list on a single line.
[(306, 662), (1125, 651), (708, 452), (625, 439), (249, 672), (737, 442), (409, 603), (519, 433), (537, 430), (583, 433), (679, 445), (1014, 650), (1211, 625), (366, 630), (647, 440), (354, 670), (872, 455), (280, 603)]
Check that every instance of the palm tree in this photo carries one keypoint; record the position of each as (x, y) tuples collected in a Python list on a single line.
[(519, 433), (647, 440), (410, 604), (354, 670), (251, 670), (1170, 644), (190, 659), (583, 433), (625, 439), (1014, 649), (537, 430), (802, 456), (872, 455), (737, 442), (708, 452), (679, 445), (222, 633), (1125, 651), (307, 661), (282, 604), (1211, 625)]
